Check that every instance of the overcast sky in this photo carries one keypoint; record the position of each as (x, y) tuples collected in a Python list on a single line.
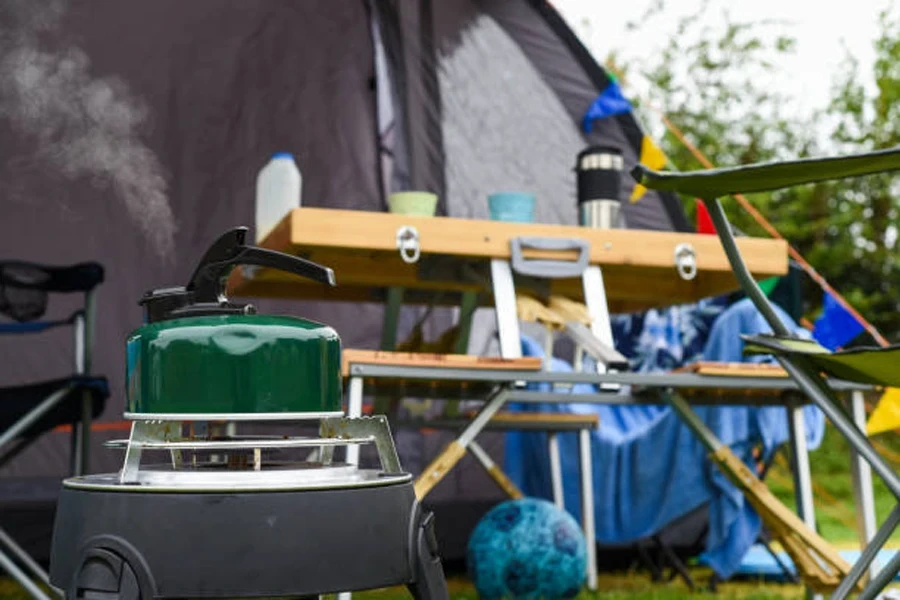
[(820, 29)]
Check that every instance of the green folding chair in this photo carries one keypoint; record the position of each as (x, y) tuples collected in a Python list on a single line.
[(804, 360)]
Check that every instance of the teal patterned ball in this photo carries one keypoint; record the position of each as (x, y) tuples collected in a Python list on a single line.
[(527, 549)]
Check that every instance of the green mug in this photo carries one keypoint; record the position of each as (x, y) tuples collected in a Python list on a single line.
[(423, 204)]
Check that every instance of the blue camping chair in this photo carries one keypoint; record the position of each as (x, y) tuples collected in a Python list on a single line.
[(28, 411)]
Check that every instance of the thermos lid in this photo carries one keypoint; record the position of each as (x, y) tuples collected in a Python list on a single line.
[(600, 157)]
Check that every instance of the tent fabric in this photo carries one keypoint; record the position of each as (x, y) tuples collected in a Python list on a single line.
[(648, 468), (208, 90)]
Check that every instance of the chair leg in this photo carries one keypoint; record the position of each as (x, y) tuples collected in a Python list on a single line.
[(678, 567), (656, 574), (14, 571), (15, 449)]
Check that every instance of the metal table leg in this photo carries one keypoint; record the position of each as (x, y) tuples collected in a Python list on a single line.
[(354, 409), (803, 493), (555, 469), (861, 473), (587, 506), (505, 308)]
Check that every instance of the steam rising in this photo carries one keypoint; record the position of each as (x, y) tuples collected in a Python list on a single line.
[(84, 126)]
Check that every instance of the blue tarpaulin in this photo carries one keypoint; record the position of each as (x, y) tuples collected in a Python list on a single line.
[(648, 468)]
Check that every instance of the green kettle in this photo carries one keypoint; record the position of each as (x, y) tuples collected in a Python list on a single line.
[(199, 356)]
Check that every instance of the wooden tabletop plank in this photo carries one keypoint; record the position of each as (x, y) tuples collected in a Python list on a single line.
[(309, 228), (360, 246), (725, 369), (350, 356)]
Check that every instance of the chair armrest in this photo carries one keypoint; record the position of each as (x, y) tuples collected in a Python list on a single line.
[(81, 277), (761, 177)]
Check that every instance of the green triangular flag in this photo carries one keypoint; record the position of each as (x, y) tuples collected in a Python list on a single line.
[(767, 285)]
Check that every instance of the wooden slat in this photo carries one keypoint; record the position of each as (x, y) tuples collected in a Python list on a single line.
[(725, 369), (532, 418), (440, 361)]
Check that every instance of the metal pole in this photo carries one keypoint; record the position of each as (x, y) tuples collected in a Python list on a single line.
[(555, 470), (505, 307), (882, 579), (821, 395), (587, 506), (861, 473), (87, 403), (859, 567), (10, 567), (354, 409), (32, 417), (19, 552), (748, 284), (803, 492)]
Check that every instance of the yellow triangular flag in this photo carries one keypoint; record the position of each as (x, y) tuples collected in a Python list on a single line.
[(886, 416), (652, 158)]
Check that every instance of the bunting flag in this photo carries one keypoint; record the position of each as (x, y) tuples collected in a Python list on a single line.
[(652, 158), (886, 416), (704, 221), (768, 285), (610, 102), (836, 327)]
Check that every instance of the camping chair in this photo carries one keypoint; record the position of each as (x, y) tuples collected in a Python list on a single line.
[(804, 360), (28, 411)]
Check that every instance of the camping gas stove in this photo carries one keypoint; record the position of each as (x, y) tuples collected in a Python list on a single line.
[(215, 498)]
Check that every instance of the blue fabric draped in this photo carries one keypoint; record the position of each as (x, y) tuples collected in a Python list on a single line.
[(648, 468)]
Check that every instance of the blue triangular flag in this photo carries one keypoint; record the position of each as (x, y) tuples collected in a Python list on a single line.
[(836, 326), (610, 102)]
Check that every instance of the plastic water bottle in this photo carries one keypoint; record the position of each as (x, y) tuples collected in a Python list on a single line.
[(278, 188)]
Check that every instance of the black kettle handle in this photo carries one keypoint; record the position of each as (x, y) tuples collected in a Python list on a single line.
[(229, 251)]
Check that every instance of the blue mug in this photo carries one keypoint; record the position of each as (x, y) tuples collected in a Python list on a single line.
[(517, 207)]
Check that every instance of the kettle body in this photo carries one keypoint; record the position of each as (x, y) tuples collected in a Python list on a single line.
[(256, 366)]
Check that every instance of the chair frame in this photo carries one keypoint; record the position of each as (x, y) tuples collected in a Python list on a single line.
[(713, 184), (27, 572)]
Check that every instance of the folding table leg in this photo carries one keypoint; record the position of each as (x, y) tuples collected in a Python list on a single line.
[(455, 450), (803, 493), (587, 506), (555, 469), (861, 473), (505, 308), (354, 409), (494, 471)]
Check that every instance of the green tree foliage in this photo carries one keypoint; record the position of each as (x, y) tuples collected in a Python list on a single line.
[(714, 83), (870, 121)]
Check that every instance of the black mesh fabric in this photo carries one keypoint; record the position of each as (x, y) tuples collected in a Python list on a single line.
[(21, 295)]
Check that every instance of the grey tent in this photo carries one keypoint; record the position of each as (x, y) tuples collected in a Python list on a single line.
[(133, 132)]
